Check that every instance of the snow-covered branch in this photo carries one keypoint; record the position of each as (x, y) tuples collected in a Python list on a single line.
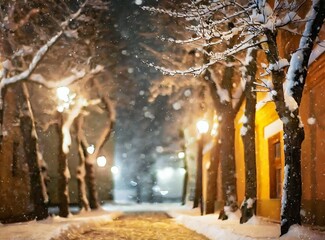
[(206, 10), (296, 75), (42, 50), (190, 71), (10, 23), (76, 75), (73, 114), (222, 93), (184, 41), (74, 16), (215, 57), (36, 59)]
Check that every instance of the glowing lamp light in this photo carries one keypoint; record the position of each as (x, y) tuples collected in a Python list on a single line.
[(202, 126), (156, 188), (182, 171), (181, 155), (60, 108), (115, 170), (63, 93), (91, 149), (165, 173), (101, 161)]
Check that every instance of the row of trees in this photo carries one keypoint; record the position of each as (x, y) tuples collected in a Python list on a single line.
[(37, 39), (228, 36)]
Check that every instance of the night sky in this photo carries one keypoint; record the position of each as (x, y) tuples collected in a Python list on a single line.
[(141, 126)]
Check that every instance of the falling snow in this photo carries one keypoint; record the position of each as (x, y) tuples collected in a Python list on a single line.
[(311, 121)]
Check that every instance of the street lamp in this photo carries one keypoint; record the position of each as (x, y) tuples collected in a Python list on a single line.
[(181, 155), (202, 127), (115, 170), (65, 98), (63, 93), (91, 149), (101, 161)]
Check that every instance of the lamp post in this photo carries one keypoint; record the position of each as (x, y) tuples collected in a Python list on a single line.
[(202, 127)]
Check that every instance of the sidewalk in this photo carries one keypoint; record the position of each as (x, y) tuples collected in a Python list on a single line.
[(208, 225), (256, 228), (53, 227)]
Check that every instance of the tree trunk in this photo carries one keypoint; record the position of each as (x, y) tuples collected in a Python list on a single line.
[(33, 155), (248, 207), (227, 159), (185, 184), (81, 170), (64, 175), (90, 159), (2, 109), (226, 144), (91, 183), (212, 181), (291, 197), (293, 130), (198, 198)]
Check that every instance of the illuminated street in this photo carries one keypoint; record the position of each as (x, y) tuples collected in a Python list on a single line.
[(162, 119), (139, 226)]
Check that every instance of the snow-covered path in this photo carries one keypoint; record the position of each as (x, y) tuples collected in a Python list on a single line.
[(77, 225), (138, 226)]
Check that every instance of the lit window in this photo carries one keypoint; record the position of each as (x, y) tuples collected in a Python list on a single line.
[(275, 162)]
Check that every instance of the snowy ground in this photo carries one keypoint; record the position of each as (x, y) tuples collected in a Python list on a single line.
[(53, 227), (208, 225), (256, 228)]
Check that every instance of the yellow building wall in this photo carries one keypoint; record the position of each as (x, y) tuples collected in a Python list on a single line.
[(313, 152), (266, 206)]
